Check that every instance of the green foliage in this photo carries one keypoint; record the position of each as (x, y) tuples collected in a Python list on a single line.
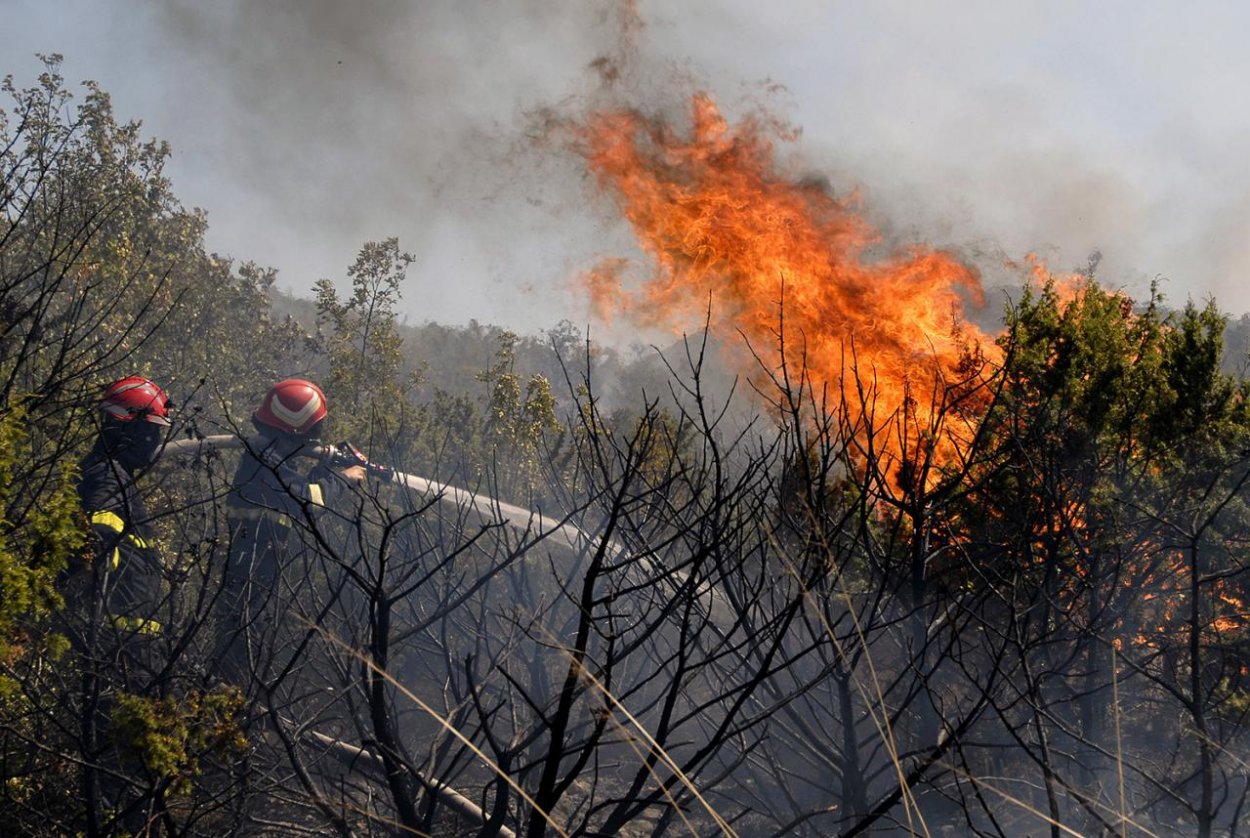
[(171, 736), (1201, 393), (517, 418), (105, 274), (79, 243), (41, 530), (1080, 368), (359, 336), (1101, 397), (1117, 439)]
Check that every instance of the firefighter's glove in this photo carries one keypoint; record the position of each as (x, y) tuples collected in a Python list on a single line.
[(349, 458), (346, 455)]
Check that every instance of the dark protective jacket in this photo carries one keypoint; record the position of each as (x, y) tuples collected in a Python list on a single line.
[(115, 618), (271, 499), (125, 573), (273, 511)]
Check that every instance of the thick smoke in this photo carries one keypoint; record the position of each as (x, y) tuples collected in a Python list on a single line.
[(306, 128), (337, 123)]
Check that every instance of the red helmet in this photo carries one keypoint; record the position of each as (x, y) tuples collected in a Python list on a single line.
[(294, 406), (135, 397)]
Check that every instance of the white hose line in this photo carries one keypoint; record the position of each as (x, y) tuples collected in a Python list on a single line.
[(525, 520), (462, 805), (718, 607)]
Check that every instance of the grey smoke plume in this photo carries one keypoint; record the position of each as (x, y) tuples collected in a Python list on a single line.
[(345, 122), (307, 128)]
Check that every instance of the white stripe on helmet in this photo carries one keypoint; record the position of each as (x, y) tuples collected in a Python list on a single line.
[(295, 418)]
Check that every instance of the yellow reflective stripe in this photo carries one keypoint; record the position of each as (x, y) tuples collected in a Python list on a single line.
[(314, 494), (137, 625), (108, 519), (137, 541), (115, 523)]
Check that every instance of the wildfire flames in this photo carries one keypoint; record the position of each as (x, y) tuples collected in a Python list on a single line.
[(788, 266)]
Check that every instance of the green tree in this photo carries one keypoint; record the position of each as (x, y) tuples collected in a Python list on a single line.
[(520, 413), (102, 274), (40, 531), (358, 335), (1114, 433)]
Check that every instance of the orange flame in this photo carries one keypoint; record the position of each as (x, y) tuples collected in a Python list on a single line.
[(786, 264), (1066, 286)]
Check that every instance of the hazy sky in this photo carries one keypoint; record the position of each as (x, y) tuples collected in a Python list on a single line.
[(307, 127)]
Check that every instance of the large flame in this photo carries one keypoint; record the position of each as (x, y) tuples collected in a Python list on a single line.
[(787, 265)]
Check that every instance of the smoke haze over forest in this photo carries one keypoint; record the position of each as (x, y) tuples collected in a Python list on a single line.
[(878, 567), (306, 128)]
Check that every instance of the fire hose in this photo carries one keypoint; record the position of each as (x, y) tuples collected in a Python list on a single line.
[(533, 522), (346, 455)]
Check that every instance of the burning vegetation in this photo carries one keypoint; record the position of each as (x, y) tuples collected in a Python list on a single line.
[(947, 581), (1060, 465), (791, 268)]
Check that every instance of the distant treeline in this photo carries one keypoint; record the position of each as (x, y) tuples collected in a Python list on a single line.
[(727, 601)]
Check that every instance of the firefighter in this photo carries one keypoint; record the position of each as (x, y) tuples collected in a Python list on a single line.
[(125, 573), (273, 510), (115, 598), (276, 511)]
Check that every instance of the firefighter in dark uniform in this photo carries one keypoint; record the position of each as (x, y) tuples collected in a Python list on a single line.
[(125, 578), (115, 594), (277, 510), (273, 511)]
